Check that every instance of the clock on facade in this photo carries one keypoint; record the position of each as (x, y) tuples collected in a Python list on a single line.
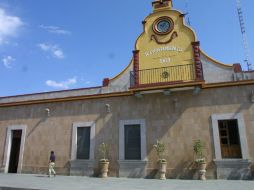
[(163, 25)]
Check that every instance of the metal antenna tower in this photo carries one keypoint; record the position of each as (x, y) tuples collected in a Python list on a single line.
[(244, 35)]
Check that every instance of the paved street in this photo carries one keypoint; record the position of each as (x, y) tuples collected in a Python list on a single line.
[(22, 181)]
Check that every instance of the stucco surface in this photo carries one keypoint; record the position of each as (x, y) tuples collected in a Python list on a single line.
[(175, 124), (214, 73)]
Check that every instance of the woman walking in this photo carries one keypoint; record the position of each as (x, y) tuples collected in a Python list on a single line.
[(52, 160)]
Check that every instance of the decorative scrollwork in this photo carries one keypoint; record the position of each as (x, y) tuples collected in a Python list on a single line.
[(173, 36), (165, 75)]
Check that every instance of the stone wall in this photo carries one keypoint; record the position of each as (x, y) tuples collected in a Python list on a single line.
[(177, 120)]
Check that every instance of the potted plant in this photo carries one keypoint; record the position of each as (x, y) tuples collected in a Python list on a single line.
[(104, 163), (198, 148), (160, 148)]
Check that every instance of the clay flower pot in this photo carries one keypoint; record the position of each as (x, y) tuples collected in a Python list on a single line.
[(198, 148), (202, 170), (162, 169), (104, 168)]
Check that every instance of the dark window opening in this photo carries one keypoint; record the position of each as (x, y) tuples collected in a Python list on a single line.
[(83, 142), (132, 142)]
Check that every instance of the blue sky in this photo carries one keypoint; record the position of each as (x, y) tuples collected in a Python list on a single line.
[(48, 45)]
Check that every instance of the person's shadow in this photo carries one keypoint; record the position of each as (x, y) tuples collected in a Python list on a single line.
[(42, 176)]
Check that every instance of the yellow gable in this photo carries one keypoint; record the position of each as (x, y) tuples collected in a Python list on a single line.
[(165, 49)]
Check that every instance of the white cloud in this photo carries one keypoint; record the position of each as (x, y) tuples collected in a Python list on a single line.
[(53, 49), (7, 61), (55, 29), (8, 25), (44, 47), (58, 53), (62, 85)]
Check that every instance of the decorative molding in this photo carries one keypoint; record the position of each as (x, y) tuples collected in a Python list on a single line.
[(242, 133), (165, 85), (162, 4), (70, 98), (142, 124), (197, 60), (130, 93), (163, 18), (80, 166), (231, 168), (108, 108), (136, 66), (215, 61), (173, 36), (75, 126), (8, 144), (122, 72), (228, 84)]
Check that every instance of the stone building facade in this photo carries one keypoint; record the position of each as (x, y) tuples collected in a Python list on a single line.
[(171, 91)]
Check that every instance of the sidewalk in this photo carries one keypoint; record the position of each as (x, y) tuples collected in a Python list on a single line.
[(42, 182)]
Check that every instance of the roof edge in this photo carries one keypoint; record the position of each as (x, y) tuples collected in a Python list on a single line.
[(57, 91), (215, 61), (66, 99)]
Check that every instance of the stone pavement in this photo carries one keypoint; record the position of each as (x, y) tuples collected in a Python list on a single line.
[(25, 181)]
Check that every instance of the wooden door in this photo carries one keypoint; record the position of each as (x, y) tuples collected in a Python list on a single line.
[(229, 139)]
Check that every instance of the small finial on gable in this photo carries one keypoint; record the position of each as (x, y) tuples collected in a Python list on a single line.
[(162, 5)]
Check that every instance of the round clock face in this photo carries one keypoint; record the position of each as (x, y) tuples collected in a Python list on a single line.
[(163, 25)]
